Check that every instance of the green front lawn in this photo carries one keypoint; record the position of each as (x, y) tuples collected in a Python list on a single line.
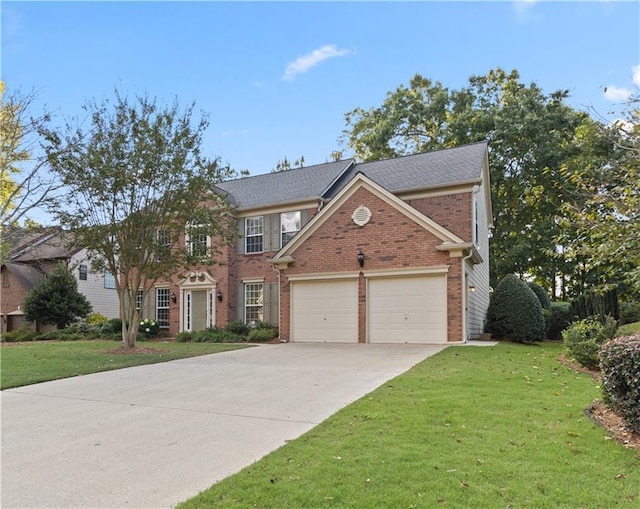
[(628, 329), (40, 361), (472, 427)]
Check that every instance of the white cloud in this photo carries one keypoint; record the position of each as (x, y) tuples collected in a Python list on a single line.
[(636, 75), (306, 62), (524, 9), (616, 94)]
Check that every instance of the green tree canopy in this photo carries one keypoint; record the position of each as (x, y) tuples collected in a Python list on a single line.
[(56, 300), (141, 195), (530, 136)]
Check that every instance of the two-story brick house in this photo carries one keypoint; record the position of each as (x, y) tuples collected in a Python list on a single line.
[(387, 251)]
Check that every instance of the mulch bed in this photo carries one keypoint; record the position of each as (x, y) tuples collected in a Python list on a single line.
[(601, 414)]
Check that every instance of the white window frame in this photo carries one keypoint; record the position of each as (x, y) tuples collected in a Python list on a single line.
[(287, 219), (253, 229), (196, 236), (109, 281), (83, 272), (162, 309), (257, 303)]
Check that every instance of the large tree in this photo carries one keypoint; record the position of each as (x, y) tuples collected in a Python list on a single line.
[(56, 300), (604, 216), (140, 194), (529, 135), (25, 185)]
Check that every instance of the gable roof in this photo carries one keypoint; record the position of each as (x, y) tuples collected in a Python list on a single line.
[(284, 186), (445, 167), (29, 275), (47, 244), (449, 240), (439, 168)]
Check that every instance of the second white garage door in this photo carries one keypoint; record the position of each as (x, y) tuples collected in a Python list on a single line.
[(407, 309), (325, 311)]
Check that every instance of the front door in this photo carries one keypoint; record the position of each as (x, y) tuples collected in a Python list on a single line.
[(199, 309)]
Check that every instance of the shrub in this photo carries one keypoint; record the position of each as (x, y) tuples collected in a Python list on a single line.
[(19, 335), (262, 334), (113, 326), (515, 312), (96, 319), (542, 295), (602, 303), (560, 318), (620, 365), (149, 328), (184, 337), (584, 338), (237, 327), (629, 312)]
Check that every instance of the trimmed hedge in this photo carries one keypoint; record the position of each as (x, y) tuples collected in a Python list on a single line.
[(620, 365), (542, 295), (629, 312), (515, 312), (559, 319)]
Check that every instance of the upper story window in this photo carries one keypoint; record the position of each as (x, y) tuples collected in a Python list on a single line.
[(109, 280), (164, 243), (290, 224), (253, 231), (198, 241), (82, 272)]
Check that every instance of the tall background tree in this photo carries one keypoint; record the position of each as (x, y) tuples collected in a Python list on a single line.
[(137, 187), (25, 184), (531, 134), (56, 300)]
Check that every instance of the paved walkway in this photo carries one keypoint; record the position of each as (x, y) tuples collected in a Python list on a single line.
[(153, 436)]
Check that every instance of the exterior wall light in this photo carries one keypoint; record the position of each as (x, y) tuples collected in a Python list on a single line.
[(174, 298), (361, 258), (472, 288), (219, 295)]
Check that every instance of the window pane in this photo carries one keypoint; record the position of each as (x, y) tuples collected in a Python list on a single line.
[(253, 233), (253, 298), (290, 224), (109, 280), (82, 272), (162, 307)]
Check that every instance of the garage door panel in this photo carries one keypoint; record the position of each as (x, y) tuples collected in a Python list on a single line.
[(325, 311), (407, 310)]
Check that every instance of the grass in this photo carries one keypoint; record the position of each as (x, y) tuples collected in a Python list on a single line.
[(472, 427), (628, 329), (40, 361)]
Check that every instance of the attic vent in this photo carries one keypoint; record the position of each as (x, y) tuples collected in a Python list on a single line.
[(361, 215)]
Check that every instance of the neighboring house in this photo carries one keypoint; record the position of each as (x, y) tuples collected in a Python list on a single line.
[(35, 254), (387, 251)]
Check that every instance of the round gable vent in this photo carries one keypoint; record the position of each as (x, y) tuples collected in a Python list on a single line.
[(361, 215)]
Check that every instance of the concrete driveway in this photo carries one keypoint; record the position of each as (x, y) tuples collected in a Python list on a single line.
[(153, 436)]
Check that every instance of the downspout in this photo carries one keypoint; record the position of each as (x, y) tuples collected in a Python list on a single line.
[(465, 295)]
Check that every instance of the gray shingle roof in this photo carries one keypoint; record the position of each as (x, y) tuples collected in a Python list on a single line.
[(425, 170), (418, 171), (285, 186)]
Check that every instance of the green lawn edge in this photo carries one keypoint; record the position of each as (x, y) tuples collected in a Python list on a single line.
[(476, 427), (43, 361)]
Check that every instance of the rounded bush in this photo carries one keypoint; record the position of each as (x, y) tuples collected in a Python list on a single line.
[(542, 295), (620, 365), (584, 338), (149, 328), (96, 319), (515, 312), (184, 337)]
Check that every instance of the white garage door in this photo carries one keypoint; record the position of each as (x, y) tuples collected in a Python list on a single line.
[(407, 309), (324, 311)]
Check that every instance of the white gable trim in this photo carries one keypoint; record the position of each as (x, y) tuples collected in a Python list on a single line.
[(361, 181)]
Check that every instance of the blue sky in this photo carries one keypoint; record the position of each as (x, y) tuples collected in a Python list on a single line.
[(277, 78)]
